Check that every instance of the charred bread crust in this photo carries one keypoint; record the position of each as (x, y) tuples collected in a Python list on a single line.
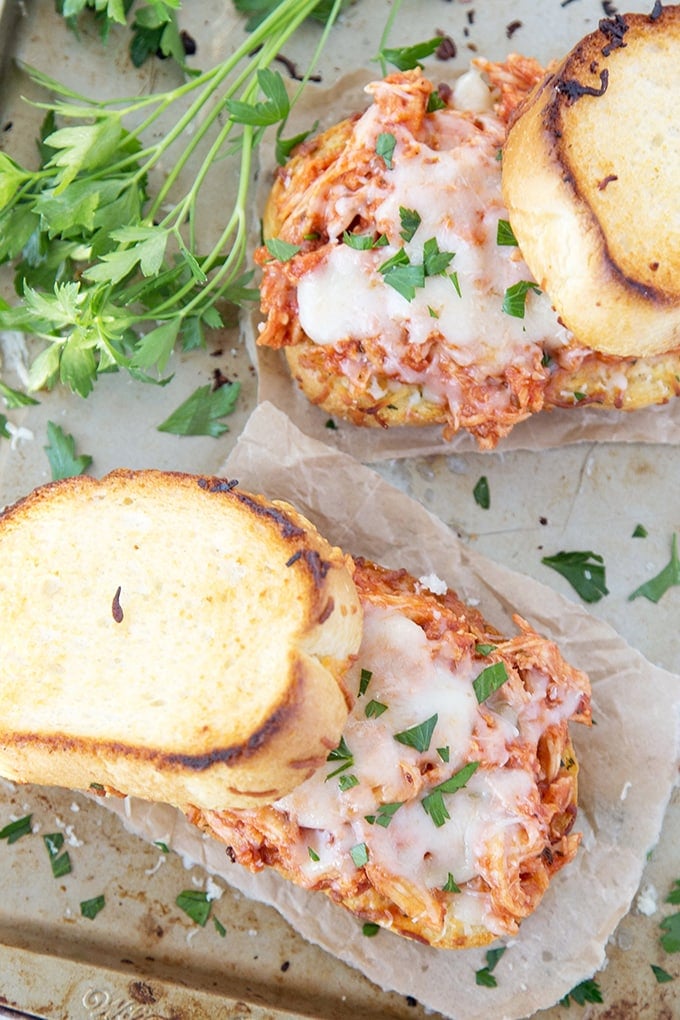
[(590, 181), (170, 636)]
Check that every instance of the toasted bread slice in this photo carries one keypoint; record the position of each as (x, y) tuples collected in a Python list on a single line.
[(171, 637), (591, 181)]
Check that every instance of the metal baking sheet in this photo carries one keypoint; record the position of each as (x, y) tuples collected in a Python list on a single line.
[(142, 957)]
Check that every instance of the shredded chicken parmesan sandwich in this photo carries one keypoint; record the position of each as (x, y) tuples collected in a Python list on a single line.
[(392, 276), (364, 732)]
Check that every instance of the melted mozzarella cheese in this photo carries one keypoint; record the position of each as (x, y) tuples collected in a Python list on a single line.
[(496, 811), (452, 179)]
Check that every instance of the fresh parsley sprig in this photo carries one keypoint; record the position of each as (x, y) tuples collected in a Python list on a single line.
[(109, 276)]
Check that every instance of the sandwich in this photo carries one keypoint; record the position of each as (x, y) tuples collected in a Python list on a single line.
[(432, 260), (362, 731)]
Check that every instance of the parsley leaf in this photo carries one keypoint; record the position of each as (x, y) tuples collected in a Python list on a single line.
[(282, 251), (370, 929), (342, 754), (405, 58), (435, 261), (359, 854), (418, 736), (661, 975), (385, 814), (450, 885), (515, 298), (61, 453), (195, 903), (504, 234), (347, 781), (489, 680), (481, 493), (657, 587), (674, 894), (374, 709), (385, 145), (670, 940), (61, 863), (90, 908), (364, 242), (410, 221), (484, 975), (364, 680), (275, 108), (433, 803), (15, 830), (586, 991), (200, 413), (585, 572), (640, 531)]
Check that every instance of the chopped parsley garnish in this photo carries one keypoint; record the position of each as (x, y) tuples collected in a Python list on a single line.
[(385, 144), (15, 830), (505, 235), (405, 58), (370, 929), (200, 413), (410, 221), (313, 855), (484, 975), (586, 991), (342, 754), (61, 863), (433, 803), (481, 493), (435, 261), (374, 709), (453, 277), (364, 242), (661, 975), (400, 258), (14, 398), (385, 814), (61, 453), (450, 885), (196, 904), (585, 572), (657, 587), (483, 649), (670, 939), (163, 847), (515, 298), (359, 854), (640, 531), (347, 781), (364, 680), (219, 927), (489, 680), (418, 736), (402, 276), (435, 102), (444, 753), (674, 894), (280, 250), (90, 908)]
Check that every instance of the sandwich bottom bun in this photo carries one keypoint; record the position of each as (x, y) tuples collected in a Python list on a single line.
[(591, 182)]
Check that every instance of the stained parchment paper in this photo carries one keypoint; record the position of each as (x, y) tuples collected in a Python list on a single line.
[(628, 759), (324, 107)]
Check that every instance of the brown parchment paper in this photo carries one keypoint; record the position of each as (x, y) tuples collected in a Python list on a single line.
[(629, 759), (324, 107)]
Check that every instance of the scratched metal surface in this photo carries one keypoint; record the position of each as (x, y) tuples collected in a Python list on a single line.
[(141, 958)]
